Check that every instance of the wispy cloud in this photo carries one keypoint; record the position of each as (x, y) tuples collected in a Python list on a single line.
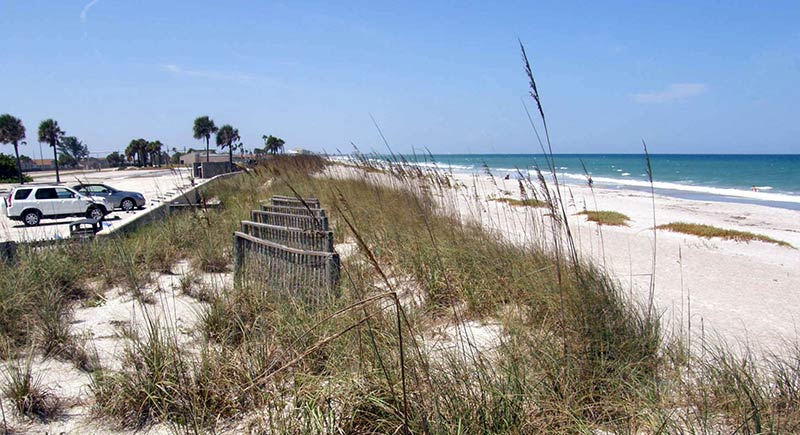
[(229, 76), (673, 92), (86, 8)]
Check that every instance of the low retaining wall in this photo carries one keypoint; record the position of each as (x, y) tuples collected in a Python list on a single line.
[(188, 199)]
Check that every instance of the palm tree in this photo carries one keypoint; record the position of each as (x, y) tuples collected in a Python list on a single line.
[(11, 132), (138, 151), (154, 150), (51, 133), (203, 128), (273, 144), (130, 150), (227, 136)]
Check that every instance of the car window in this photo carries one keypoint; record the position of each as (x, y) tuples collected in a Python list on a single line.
[(64, 193), (100, 189), (46, 193), (22, 193)]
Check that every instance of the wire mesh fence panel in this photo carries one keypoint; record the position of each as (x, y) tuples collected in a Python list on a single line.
[(312, 240), (292, 201), (310, 275), (317, 223), (302, 211)]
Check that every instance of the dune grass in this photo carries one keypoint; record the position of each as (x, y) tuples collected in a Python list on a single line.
[(521, 202), (709, 231), (605, 217), (24, 390), (573, 355)]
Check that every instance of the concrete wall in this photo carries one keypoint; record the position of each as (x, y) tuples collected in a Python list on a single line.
[(212, 169), (185, 201), (200, 157)]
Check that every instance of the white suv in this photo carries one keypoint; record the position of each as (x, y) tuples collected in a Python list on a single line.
[(31, 203)]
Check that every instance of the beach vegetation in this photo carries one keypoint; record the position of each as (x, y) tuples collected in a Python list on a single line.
[(710, 231), (25, 391), (438, 326), (605, 217), (525, 202)]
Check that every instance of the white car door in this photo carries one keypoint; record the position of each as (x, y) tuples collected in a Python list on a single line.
[(45, 200), (70, 202)]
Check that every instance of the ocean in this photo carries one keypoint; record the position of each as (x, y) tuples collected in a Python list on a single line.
[(772, 180)]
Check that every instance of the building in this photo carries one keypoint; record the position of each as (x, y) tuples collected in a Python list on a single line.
[(37, 165), (299, 151), (193, 157)]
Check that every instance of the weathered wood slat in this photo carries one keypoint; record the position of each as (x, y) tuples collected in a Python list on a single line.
[(292, 237), (290, 220), (307, 274), (293, 201), (302, 211)]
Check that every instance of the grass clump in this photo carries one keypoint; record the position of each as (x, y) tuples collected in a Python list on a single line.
[(25, 391), (709, 231), (605, 217), (530, 202)]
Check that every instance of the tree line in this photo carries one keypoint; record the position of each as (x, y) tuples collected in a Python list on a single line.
[(68, 151)]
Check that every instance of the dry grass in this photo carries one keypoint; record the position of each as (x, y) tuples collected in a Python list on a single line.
[(521, 202), (23, 388), (573, 355), (709, 231), (605, 217)]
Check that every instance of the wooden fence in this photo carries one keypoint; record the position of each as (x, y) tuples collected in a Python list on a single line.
[(289, 249), (290, 220), (291, 237), (309, 275), (291, 201), (302, 211)]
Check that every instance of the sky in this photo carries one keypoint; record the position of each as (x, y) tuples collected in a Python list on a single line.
[(686, 76)]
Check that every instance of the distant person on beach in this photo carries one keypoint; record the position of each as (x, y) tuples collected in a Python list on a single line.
[(754, 189), (590, 181), (507, 177)]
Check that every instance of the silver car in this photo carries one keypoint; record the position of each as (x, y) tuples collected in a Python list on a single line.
[(119, 199)]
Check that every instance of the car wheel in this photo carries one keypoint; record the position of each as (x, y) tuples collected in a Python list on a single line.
[(95, 213), (31, 218), (128, 204)]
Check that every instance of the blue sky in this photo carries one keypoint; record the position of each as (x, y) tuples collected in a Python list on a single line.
[(688, 77)]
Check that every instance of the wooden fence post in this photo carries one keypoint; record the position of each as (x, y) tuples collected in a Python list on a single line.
[(238, 257)]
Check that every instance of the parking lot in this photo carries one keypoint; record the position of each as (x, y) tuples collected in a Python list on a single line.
[(157, 186)]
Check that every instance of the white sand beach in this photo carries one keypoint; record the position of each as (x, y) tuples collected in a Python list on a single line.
[(736, 291)]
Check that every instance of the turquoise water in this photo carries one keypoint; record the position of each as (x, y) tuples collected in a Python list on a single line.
[(764, 179)]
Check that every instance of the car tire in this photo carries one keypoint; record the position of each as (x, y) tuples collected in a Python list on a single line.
[(127, 204), (96, 212), (31, 218)]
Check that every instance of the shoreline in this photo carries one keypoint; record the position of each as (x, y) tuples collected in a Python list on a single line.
[(762, 195)]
